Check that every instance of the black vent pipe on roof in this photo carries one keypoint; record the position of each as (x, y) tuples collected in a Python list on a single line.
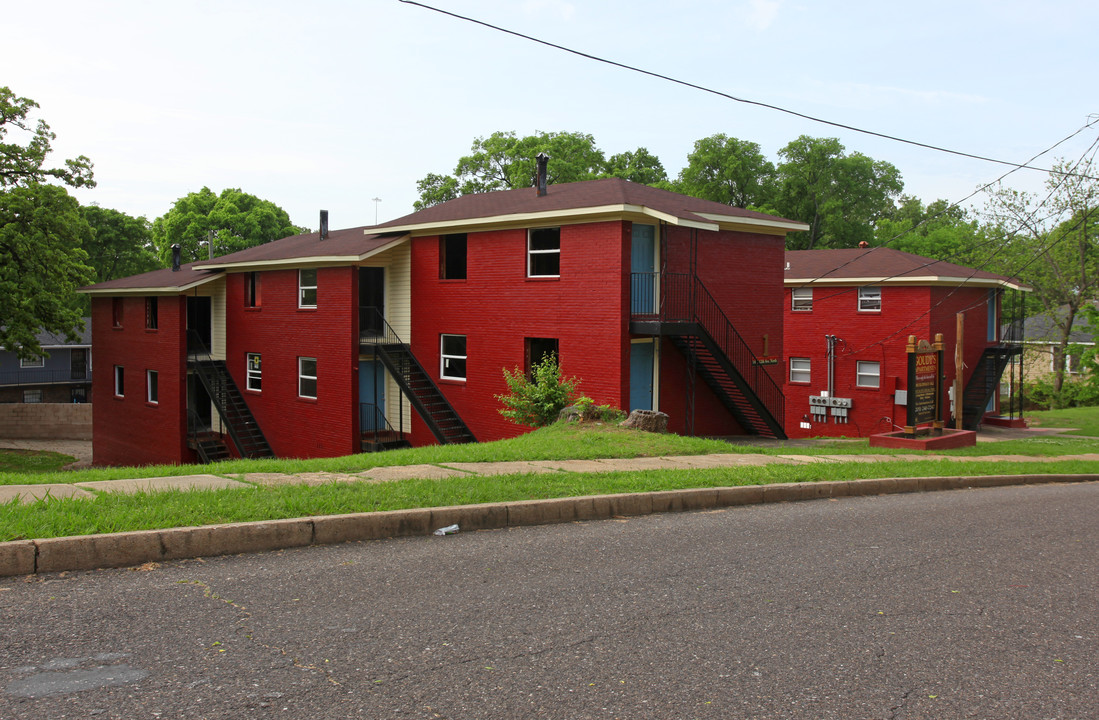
[(175, 257), (324, 224), (543, 163)]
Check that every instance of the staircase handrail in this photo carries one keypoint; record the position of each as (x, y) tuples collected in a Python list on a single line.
[(714, 320), (390, 338), (212, 385)]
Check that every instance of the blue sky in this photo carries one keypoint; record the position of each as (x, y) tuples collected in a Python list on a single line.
[(330, 104)]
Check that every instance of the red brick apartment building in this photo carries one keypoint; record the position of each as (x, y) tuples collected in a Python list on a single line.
[(848, 315), (332, 343)]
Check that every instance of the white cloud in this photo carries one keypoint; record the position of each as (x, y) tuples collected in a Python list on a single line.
[(762, 13)]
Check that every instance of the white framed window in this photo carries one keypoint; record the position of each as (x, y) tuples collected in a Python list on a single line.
[(254, 372), (870, 299), (38, 362), (801, 299), (307, 288), (544, 252), (307, 378), (119, 381), (34, 395), (452, 357), (152, 389), (799, 370), (867, 374)]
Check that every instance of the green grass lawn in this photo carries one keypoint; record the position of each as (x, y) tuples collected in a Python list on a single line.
[(32, 462), (1085, 420), (115, 513)]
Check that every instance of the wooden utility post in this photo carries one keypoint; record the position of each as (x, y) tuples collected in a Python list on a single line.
[(959, 369)]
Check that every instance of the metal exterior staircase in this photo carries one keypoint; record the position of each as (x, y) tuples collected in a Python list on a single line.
[(421, 391), (691, 317), (243, 429), (985, 382)]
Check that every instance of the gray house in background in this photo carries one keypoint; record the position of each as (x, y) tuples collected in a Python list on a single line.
[(1041, 344), (63, 377)]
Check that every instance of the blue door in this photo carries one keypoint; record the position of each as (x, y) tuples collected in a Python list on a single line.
[(371, 395), (643, 267), (641, 376)]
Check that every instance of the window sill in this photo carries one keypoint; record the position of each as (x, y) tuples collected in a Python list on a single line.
[(309, 400), (248, 308), (542, 278), (452, 381)]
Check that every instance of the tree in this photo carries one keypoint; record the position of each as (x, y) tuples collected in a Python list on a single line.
[(841, 197), (939, 230), (504, 161), (1053, 245), (638, 166), (730, 171), (233, 220), (41, 231), (22, 165), (119, 245)]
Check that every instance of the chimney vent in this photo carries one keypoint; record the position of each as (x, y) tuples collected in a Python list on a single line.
[(175, 257), (540, 181), (324, 224)]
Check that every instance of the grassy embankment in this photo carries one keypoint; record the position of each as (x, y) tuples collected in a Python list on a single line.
[(114, 513)]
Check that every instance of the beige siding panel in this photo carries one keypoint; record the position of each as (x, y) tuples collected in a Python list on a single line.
[(398, 313), (215, 289)]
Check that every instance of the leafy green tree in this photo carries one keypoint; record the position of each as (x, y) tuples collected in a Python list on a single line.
[(639, 166), (119, 245), (1052, 243), (41, 231), (536, 401), (233, 220), (505, 161), (730, 171), (938, 230), (840, 196), (22, 165)]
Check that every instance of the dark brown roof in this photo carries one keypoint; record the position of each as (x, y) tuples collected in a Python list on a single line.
[(881, 264), (352, 242), (155, 280), (575, 196)]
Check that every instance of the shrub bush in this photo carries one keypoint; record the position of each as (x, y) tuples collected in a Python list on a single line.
[(538, 400)]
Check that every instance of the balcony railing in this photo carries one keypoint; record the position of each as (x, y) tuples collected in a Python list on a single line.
[(40, 376)]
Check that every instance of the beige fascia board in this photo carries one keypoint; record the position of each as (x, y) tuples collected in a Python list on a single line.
[(572, 216), (303, 261), (160, 290), (756, 224), (904, 280)]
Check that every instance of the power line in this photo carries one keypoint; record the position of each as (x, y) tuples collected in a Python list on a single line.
[(727, 96)]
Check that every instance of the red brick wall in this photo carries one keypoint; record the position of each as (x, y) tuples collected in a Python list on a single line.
[(497, 306), (282, 332), (879, 337), (129, 430), (743, 273)]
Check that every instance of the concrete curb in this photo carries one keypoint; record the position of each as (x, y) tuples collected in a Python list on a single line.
[(89, 552)]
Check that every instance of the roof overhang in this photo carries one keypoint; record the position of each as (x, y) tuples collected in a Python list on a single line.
[(574, 216), (154, 289), (938, 280), (318, 260)]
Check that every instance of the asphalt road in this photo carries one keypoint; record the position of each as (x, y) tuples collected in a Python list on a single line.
[(965, 604)]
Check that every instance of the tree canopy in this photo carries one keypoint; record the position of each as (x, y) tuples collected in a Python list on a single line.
[(730, 171), (234, 220), (840, 196), (1053, 244), (504, 161), (41, 232), (118, 245)]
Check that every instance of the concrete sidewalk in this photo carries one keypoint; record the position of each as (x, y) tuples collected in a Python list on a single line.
[(23, 557)]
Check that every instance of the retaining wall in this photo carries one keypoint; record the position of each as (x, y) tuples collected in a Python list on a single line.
[(46, 421)]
